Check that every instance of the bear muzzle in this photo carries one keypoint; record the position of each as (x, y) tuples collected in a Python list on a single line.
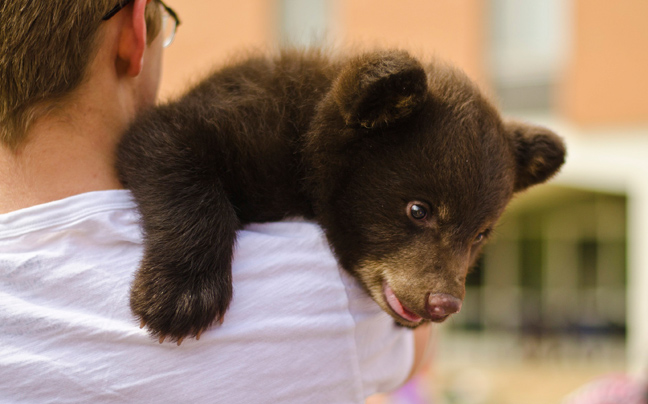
[(438, 306)]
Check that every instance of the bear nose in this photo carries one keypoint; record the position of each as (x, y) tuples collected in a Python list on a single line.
[(441, 305)]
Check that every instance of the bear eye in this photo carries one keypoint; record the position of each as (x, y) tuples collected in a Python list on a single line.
[(481, 236), (417, 210)]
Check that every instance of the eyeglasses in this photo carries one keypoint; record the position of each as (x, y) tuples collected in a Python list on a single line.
[(170, 20)]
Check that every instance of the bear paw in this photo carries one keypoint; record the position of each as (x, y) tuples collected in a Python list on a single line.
[(174, 305)]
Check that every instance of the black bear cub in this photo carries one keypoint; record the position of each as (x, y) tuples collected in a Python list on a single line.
[(405, 165)]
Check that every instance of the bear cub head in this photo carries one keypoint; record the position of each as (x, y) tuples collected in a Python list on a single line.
[(410, 167)]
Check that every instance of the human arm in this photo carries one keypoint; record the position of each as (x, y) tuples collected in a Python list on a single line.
[(424, 342)]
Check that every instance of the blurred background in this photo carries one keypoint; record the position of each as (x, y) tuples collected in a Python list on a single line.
[(560, 297)]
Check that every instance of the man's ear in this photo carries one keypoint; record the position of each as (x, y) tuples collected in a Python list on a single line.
[(539, 153), (379, 88), (132, 40)]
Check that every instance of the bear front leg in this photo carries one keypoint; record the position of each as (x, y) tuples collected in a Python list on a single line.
[(184, 282)]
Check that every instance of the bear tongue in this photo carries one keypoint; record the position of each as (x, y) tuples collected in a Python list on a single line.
[(397, 306)]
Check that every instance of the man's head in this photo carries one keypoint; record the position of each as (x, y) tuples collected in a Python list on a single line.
[(46, 48)]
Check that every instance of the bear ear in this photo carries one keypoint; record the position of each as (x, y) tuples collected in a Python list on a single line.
[(379, 88), (539, 153)]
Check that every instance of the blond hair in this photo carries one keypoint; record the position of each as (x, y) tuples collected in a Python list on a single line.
[(45, 50)]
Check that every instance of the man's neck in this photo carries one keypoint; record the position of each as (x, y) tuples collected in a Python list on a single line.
[(60, 159)]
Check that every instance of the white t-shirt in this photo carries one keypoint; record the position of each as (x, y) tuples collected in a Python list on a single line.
[(299, 329)]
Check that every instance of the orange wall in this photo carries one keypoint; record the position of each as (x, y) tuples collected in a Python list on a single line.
[(210, 31), (607, 77), (605, 82), (454, 30)]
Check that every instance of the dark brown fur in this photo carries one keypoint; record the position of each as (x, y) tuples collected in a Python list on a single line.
[(349, 142)]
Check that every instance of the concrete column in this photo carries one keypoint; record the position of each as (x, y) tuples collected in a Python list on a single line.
[(560, 269), (637, 289), (501, 290)]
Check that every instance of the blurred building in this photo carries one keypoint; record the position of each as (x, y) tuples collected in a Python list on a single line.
[(570, 259)]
